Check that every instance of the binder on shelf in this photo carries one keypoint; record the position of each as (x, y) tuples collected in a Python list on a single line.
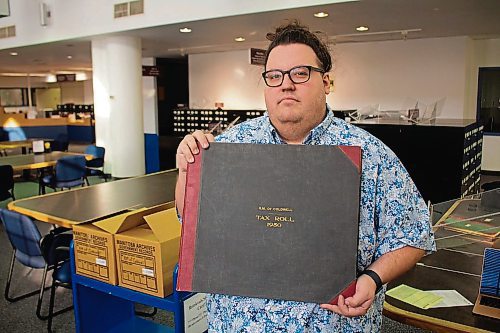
[(271, 221)]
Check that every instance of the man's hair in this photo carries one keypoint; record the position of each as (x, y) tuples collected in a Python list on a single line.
[(295, 33)]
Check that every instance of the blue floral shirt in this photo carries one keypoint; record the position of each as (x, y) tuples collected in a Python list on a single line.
[(392, 215)]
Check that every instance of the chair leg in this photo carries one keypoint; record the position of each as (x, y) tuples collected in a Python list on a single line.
[(40, 296), (86, 181), (51, 306), (9, 279), (51, 313)]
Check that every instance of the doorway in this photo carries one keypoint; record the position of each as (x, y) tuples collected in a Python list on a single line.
[(488, 99)]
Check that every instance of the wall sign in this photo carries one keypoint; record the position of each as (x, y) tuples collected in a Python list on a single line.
[(150, 71), (257, 57)]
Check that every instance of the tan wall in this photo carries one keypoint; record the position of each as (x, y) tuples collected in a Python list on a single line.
[(48, 98)]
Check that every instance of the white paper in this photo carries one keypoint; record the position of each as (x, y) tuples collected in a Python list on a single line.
[(38, 146), (195, 314), (450, 298)]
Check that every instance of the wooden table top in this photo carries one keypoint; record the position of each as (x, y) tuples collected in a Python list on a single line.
[(35, 161), (91, 203)]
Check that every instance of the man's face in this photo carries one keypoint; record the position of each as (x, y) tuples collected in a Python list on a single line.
[(296, 106)]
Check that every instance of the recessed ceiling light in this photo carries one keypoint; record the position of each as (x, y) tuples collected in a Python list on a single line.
[(51, 78), (321, 14), (185, 29), (13, 53), (362, 28), (239, 39), (69, 57)]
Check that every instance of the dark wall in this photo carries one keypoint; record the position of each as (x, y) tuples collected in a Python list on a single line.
[(173, 89)]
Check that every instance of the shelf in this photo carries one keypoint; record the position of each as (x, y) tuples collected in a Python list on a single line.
[(101, 307), (166, 303)]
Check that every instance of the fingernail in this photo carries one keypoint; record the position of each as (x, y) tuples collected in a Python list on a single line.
[(195, 150), (205, 145), (191, 160)]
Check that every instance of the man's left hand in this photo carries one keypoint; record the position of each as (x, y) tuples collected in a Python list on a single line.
[(359, 303)]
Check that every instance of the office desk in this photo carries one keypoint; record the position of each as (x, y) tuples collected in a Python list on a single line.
[(94, 202), (35, 161), (456, 265)]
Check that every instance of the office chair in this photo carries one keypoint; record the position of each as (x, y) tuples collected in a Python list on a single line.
[(69, 172), (55, 248), (95, 166), (6, 182), (31, 250)]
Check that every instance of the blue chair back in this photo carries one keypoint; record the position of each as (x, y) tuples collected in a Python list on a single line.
[(96, 151), (24, 237), (70, 168)]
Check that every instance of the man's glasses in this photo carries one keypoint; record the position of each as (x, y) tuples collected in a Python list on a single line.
[(297, 74)]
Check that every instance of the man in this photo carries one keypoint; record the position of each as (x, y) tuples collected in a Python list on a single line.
[(394, 227)]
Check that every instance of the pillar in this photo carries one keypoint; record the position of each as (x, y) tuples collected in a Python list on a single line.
[(117, 84)]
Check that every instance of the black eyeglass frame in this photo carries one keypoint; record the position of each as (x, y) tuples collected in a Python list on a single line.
[(310, 68)]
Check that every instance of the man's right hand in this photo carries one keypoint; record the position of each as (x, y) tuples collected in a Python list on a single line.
[(188, 147), (186, 150)]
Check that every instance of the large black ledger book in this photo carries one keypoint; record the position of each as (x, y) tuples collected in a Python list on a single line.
[(271, 221)]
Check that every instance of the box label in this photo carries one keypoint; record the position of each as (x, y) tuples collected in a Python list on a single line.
[(91, 259), (148, 272), (101, 261), (134, 267)]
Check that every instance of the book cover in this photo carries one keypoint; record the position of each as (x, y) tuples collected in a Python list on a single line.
[(271, 221)]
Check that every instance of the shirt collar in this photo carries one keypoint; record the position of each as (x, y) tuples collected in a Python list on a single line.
[(315, 133)]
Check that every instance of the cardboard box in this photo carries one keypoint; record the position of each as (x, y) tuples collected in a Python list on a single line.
[(94, 243), (94, 253), (146, 255)]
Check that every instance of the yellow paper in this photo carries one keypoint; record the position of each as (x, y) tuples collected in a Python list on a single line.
[(416, 297)]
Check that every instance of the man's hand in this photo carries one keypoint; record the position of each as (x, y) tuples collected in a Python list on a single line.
[(186, 150), (359, 303), (188, 147)]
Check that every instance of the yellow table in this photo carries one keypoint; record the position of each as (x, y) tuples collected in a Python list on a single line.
[(92, 203), (36, 161), (20, 144)]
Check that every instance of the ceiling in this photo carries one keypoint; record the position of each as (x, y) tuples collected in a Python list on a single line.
[(387, 20)]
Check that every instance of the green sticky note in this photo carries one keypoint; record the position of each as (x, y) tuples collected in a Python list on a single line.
[(416, 297), (401, 292)]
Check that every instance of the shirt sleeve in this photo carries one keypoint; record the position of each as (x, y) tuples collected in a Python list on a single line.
[(401, 216)]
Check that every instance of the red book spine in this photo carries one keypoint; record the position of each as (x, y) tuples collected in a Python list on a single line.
[(189, 224), (347, 292)]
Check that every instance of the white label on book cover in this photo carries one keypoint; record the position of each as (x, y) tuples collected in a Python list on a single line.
[(148, 272), (101, 261), (195, 314)]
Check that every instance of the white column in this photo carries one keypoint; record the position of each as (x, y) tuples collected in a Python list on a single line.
[(150, 100), (117, 82)]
